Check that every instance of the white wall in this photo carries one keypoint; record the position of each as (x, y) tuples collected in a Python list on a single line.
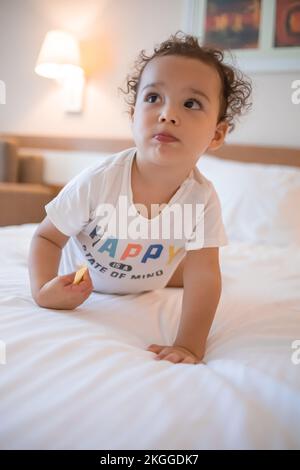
[(274, 119), (112, 33)]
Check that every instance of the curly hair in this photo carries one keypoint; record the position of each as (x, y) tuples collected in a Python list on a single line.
[(236, 88)]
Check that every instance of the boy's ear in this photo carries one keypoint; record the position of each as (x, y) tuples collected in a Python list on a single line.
[(219, 137), (131, 116)]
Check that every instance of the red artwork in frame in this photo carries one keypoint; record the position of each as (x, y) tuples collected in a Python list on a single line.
[(233, 24), (287, 27)]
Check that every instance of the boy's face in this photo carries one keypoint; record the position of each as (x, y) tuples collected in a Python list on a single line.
[(172, 107)]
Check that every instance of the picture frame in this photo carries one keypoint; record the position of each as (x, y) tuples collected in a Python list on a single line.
[(265, 58)]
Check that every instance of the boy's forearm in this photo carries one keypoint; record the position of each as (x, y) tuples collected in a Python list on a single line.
[(201, 296), (43, 262)]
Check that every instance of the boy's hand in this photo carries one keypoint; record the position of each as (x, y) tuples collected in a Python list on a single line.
[(174, 354), (60, 293)]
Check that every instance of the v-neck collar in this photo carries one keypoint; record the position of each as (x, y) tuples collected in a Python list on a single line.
[(167, 207)]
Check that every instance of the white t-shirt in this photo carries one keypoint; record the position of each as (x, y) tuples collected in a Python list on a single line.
[(141, 257)]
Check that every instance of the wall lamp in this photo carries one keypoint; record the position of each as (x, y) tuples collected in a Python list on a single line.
[(59, 59)]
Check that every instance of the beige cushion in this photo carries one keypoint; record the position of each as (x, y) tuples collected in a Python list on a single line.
[(23, 195), (31, 169), (23, 203), (8, 161)]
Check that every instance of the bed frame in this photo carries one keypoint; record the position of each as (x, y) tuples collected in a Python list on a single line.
[(243, 153)]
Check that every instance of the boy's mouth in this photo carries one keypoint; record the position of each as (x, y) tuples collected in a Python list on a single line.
[(165, 137)]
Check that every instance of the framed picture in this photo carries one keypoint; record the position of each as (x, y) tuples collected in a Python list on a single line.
[(263, 35)]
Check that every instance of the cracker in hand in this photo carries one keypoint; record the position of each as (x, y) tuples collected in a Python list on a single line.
[(79, 274)]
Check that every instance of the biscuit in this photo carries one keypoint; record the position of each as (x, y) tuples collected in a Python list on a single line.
[(79, 274)]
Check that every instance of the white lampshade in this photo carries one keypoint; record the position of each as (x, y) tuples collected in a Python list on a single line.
[(59, 55)]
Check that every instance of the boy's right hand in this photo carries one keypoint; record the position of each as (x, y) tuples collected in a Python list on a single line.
[(60, 293)]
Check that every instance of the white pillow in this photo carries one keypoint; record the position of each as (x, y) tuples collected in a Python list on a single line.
[(260, 203)]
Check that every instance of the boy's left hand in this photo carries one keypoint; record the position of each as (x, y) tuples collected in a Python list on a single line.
[(175, 354)]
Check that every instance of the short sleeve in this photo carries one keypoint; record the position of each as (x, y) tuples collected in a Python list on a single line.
[(209, 230), (69, 211)]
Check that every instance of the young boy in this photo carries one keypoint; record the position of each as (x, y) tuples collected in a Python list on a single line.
[(184, 99)]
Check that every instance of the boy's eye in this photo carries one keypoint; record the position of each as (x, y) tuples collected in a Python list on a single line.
[(150, 96), (195, 101), (153, 96)]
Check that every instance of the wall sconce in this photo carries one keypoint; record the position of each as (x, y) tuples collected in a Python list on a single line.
[(59, 59)]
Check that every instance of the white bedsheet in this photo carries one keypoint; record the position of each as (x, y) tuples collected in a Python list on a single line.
[(83, 380)]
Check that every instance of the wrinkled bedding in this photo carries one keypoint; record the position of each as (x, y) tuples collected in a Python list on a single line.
[(82, 379)]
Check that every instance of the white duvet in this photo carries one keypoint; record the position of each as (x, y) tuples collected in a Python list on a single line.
[(83, 380)]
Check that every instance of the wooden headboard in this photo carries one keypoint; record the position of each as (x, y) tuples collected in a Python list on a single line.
[(242, 153)]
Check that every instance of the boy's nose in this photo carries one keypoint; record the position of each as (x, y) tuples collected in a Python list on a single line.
[(165, 117), (168, 113)]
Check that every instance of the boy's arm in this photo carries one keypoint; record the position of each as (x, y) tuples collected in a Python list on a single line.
[(202, 290), (44, 255)]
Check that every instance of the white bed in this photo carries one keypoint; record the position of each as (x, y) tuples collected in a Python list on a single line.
[(83, 379)]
